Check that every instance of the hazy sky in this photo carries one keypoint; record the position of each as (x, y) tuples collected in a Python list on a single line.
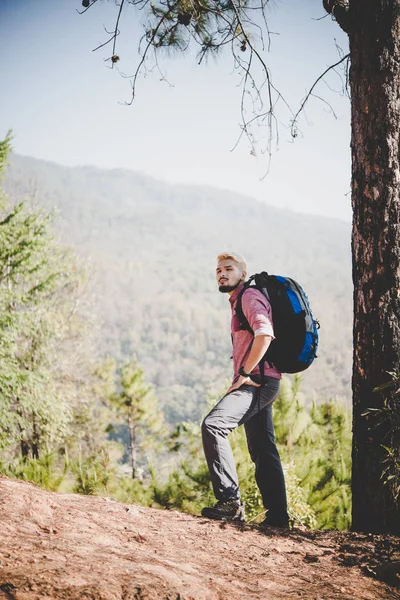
[(65, 105)]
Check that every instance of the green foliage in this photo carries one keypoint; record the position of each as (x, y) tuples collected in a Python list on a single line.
[(135, 399), (329, 478), (388, 417), (172, 24), (33, 276), (5, 148), (391, 470), (42, 471), (92, 473), (188, 484), (41, 348), (318, 442), (134, 403), (176, 493), (299, 509), (314, 444), (131, 491)]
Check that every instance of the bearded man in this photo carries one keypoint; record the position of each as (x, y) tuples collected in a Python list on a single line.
[(247, 402)]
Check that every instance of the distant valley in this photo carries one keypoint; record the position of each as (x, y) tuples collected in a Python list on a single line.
[(152, 248)]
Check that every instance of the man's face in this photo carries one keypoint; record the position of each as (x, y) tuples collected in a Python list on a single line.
[(229, 275)]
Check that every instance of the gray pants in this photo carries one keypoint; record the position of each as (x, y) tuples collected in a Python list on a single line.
[(252, 407)]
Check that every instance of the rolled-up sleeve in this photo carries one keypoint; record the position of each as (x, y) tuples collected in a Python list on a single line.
[(258, 312)]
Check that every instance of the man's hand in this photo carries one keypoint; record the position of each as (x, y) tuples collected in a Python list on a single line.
[(242, 381)]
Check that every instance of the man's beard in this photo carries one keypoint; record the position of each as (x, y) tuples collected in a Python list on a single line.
[(225, 289)]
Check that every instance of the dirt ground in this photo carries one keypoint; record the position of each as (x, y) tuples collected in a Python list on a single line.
[(65, 546)]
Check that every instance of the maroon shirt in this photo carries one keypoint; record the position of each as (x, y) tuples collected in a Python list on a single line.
[(258, 313)]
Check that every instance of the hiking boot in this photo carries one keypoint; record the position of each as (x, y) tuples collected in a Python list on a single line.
[(277, 522), (228, 510)]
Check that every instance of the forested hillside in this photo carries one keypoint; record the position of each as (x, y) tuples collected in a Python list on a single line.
[(152, 247)]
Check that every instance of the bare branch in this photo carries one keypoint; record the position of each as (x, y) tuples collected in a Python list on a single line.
[(346, 87), (104, 43), (320, 18), (310, 93), (212, 25), (143, 59), (116, 31), (113, 38), (331, 109)]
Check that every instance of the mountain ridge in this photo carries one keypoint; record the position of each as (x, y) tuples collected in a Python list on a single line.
[(150, 241), (185, 186)]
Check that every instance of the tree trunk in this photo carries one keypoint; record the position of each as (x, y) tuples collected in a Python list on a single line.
[(35, 438), (24, 449), (375, 91), (132, 447)]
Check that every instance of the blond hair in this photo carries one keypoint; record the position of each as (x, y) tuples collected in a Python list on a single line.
[(235, 257)]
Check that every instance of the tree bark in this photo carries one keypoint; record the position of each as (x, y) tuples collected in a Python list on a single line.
[(375, 97), (339, 9)]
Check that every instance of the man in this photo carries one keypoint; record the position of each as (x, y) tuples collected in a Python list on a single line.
[(246, 402)]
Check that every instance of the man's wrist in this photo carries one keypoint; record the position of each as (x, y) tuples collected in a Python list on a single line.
[(243, 373)]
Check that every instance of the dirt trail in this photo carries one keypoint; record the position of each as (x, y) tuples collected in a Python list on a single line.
[(64, 546)]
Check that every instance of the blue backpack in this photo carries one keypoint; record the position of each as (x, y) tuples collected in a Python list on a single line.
[(296, 331)]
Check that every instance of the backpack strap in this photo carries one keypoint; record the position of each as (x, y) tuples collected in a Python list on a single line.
[(261, 364), (244, 324)]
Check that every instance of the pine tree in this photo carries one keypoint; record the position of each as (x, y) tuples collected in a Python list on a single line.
[(134, 403), (38, 280), (316, 443)]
